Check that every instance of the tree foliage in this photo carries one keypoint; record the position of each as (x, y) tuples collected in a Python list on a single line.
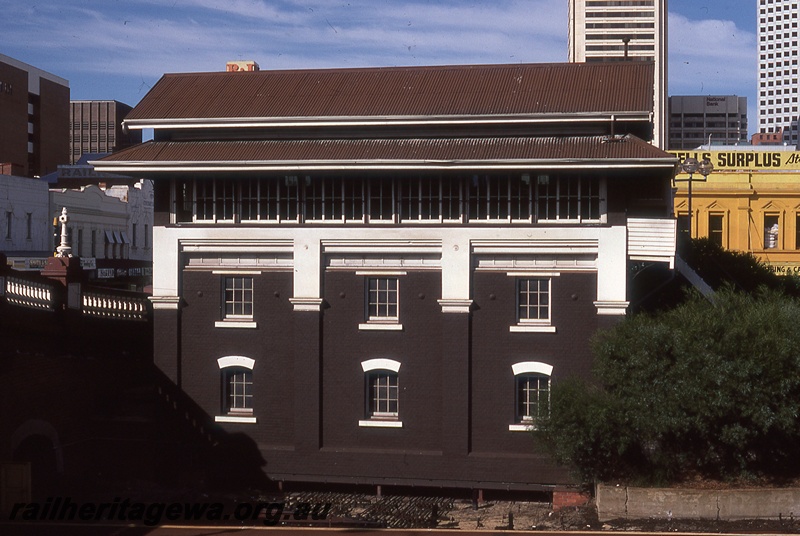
[(654, 287), (709, 389), (719, 267)]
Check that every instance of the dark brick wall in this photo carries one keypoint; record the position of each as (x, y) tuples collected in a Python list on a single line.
[(270, 344), (496, 349), (417, 348), (456, 383)]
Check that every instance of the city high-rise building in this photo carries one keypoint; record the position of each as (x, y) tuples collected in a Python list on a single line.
[(96, 127), (624, 30), (696, 120), (34, 119), (777, 68)]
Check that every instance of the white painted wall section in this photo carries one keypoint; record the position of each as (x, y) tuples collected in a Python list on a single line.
[(166, 269), (456, 267), (612, 273), (307, 272)]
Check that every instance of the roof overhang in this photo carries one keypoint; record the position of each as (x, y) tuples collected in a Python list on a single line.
[(418, 154), (139, 167), (379, 121)]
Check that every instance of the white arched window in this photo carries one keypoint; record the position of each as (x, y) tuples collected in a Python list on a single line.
[(236, 379), (382, 393), (531, 393)]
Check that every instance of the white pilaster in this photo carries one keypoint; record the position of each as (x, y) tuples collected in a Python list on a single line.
[(307, 273), (456, 261), (166, 268), (612, 279)]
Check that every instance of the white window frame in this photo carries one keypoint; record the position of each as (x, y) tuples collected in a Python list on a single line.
[(230, 320), (526, 369), (533, 325), (370, 368), (235, 415), (378, 322)]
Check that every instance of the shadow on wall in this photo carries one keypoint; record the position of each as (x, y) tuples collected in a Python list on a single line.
[(39, 451), (197, 451), (82, 401), (102, 428)]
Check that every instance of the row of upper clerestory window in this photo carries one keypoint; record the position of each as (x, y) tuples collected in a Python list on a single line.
[(474, 198)]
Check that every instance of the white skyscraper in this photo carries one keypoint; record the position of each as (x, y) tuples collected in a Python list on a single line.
[(633, 30), (777, 68)]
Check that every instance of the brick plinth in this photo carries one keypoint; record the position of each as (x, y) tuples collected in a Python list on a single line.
[(569, 498)]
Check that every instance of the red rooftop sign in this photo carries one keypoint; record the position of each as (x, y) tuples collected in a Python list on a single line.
[(241, 66)]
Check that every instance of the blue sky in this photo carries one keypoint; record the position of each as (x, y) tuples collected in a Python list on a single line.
[(118, 49)]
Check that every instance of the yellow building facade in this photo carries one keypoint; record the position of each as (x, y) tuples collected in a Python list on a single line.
[(750, 202)]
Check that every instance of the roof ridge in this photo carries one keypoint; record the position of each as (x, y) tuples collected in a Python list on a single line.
[(387, 68)]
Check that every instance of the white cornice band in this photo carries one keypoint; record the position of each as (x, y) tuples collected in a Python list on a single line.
[(476, 165), (378, 121)]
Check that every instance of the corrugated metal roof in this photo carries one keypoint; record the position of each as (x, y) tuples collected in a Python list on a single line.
[(403, 91), (335, 153)]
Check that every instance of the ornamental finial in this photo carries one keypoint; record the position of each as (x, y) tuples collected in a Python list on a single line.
[(64, 249)]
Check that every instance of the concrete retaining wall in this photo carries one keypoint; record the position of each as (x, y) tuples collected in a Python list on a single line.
[(614, 502)]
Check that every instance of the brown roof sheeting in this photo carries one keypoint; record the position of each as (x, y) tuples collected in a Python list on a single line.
[(402, 91), (375, 153)]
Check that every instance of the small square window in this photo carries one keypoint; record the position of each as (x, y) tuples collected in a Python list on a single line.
[(237, 303), (533, 300), (533, 305), (382, 304), (382, 298), (238, 297)]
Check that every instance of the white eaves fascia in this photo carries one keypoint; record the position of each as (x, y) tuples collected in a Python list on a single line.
[(279, 166), (377, 121)]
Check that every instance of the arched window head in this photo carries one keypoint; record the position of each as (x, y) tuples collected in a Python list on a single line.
[(236, 389), (532, 392)]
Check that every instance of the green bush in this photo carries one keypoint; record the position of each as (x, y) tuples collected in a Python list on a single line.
[(703, 389), (719, 267)]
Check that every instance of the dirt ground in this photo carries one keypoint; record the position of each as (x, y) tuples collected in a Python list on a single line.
[(420, 512), (410, 511), (538, 516)]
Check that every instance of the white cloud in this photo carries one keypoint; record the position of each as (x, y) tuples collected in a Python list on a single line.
[(118, 49), (713, 57), (710, 56), (152, 37)]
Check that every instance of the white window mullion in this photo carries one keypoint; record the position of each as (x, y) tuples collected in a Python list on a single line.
[(508, 198), (558, 199)]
